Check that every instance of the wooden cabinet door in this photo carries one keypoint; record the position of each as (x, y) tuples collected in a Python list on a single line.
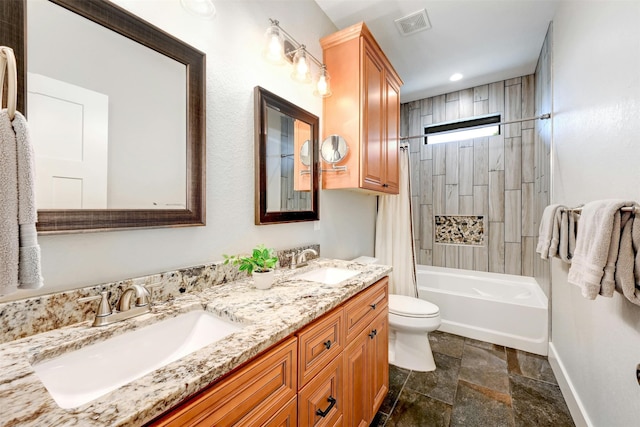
[(373, 121), (357, 408), (321, 402), (392, 136), (285, 417), (378, 359)]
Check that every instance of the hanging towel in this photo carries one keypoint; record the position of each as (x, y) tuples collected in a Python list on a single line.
[(597, 243), (29, 276), (9, 240), (549, 231), (628, 265), (567, 243)]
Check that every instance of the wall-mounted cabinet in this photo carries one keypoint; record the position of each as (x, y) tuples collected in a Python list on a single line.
[(364, 109)]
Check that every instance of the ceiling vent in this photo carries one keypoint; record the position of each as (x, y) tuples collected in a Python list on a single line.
[(413, 23)]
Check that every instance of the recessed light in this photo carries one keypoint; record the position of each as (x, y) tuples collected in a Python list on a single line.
[(201, 8), (455, 77)]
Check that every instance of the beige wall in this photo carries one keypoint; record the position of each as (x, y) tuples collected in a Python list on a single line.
[(492, 176)]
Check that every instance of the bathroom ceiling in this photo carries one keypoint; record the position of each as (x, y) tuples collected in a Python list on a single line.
[(485, 40)]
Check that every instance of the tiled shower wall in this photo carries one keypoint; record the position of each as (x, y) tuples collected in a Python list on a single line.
[(492, 176)]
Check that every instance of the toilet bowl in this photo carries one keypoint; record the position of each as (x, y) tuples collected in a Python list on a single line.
[(410, 321)]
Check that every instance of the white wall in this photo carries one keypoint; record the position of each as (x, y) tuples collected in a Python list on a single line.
[(232, 42), (596, 155)]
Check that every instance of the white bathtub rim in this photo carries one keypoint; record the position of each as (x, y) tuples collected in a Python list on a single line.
[(537, 299)]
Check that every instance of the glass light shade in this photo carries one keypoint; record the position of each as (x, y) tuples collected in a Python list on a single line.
[(301, 68), (323, 88), (273, 50)]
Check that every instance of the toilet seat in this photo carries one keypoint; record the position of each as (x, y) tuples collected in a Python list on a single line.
[(405, 306)]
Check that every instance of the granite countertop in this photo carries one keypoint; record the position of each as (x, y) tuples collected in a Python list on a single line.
[(266, 317)]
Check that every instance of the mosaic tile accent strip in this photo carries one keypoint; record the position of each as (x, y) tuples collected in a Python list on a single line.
[(465, 230)]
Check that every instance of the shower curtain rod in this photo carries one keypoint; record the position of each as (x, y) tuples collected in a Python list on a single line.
[(540, 117)]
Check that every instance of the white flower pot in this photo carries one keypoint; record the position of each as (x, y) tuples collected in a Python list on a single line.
[(263, 280)]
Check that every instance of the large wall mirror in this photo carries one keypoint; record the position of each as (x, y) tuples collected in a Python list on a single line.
[(116, 110), (286, 165)]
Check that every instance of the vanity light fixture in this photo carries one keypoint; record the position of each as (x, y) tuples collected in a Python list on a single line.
[(274, 51)]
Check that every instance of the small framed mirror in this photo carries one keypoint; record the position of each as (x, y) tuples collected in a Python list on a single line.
[(286, 161), (334, 149)]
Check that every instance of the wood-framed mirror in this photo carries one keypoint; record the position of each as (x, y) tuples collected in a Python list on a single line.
[(154, 207), (286, 161)]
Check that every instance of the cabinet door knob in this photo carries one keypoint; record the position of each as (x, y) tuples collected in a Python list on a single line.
[(373, 306), (373, 333), (332, 403), (385, 185), (327, 345)]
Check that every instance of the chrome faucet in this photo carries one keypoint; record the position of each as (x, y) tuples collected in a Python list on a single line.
[(300, 260), (134, 301)]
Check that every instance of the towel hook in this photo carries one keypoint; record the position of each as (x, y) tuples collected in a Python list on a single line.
[(8, 64)]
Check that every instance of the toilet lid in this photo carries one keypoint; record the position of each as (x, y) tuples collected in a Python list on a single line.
[(412, 307)]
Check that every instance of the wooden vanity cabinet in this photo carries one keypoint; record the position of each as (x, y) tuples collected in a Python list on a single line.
[(364, 109), (333, 372)]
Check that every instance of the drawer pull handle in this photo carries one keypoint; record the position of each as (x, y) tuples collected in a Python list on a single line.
[(327, 345), (332, 403), (373, 306), (373, 333)]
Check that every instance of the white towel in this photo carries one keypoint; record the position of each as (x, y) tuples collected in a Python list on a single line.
[(597, 242), (9, 240), (549, 227), (628, 265), (29, 275)]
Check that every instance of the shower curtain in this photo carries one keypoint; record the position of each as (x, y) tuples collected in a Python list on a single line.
[(394, 234)]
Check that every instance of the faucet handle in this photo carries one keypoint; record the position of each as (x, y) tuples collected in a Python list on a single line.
[(104, 308), (149, 289), (293, 256)]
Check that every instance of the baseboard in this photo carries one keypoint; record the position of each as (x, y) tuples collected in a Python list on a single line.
[(579, 415)]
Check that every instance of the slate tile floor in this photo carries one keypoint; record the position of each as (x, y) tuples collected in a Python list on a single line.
[(476, 384)]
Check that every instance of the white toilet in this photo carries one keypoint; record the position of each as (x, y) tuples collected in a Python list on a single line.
[(410, 321)]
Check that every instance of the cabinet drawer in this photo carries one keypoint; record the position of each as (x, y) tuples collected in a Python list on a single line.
[(364, 307), (320, 403), (318, 344), (286, 417), (249, 397)]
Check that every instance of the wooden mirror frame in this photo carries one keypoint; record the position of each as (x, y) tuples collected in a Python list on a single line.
[(13, 34), (263, 99)]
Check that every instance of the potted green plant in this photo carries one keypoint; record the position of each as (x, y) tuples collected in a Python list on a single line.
[(260, 265)]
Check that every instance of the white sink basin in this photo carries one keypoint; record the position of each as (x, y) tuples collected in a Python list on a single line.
[(328, 275), (82, 375)]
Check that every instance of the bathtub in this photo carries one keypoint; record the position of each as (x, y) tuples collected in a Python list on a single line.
[(498, 308)]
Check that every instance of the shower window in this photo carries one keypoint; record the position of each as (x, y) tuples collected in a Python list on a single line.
[(461, 130)]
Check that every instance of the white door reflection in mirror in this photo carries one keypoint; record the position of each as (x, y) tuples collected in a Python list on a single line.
[(69, 129)]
